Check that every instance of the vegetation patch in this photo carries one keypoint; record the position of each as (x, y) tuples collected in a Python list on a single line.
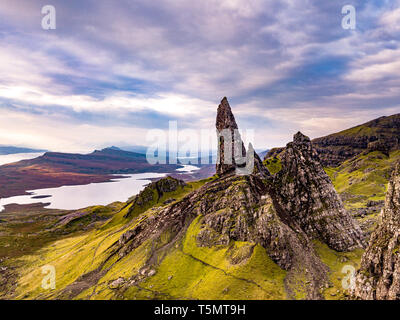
[(273, 165)]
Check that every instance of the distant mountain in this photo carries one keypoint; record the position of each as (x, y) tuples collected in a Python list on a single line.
[(138, 149), (55, 169), (381, 134), (12, 150)]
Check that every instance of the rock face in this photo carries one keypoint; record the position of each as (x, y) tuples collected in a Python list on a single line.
[(282, 213), (381, 134), (379, 275), (231, 150), (306, 192)]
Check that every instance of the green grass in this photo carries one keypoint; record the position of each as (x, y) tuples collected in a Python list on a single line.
[(363, 178), (273, 165), (76, 253), (240, 270), (336, 261)]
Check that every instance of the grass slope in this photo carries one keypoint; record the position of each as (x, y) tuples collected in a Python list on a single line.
[(363, 178)]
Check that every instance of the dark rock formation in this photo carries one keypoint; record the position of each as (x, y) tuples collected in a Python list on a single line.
[(306, 192), (237, 208), (232, 153), (226, 161), (379, 275)]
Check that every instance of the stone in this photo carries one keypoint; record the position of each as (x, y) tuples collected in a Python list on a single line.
[(117, 283), (379, 275), (226, 121), (155, 191), (306, 192)]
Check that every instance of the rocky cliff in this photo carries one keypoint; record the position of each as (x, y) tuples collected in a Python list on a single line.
[(278, 231), (379, 275)]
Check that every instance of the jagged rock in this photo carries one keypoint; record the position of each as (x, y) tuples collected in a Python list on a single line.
[(236, 208), (226, 121), (306, 192), (235, 155), (379, 145), (379, 275), (282, 213), (155, 191)]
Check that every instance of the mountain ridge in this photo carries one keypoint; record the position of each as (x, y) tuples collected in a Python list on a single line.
[(4, 150), (380, 134)]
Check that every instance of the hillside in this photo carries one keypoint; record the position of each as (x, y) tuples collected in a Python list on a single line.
[(359, 162), (382, 134), (378, 277)]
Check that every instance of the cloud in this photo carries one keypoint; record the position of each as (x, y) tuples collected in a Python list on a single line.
[(285, 65)]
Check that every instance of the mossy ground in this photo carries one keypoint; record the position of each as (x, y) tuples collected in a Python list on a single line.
[(273, 164), (336, 261)]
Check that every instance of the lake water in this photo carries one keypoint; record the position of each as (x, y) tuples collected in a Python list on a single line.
[(81, 196), (188, 168)]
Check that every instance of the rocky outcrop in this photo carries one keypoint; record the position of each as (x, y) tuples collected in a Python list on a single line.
[(236, 208), (379, 275), (381, 134), (232, 155), (306, 192), (228, 150), (153, 192)]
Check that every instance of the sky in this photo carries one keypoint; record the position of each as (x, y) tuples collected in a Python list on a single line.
[(112, 71)]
